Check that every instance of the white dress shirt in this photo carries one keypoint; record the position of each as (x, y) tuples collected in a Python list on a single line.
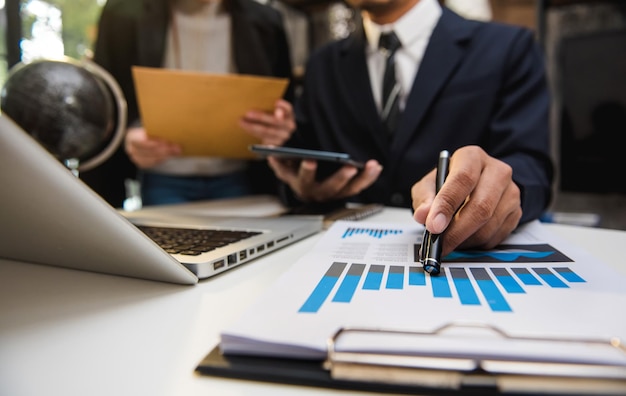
[(414, 30), (199, 39)]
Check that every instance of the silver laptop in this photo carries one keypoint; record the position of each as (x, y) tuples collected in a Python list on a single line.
[(48, 216)]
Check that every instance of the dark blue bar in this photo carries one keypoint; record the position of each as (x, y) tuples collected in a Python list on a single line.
[(569, 275), (439, 283), (464, 287), (492, 294), (417, 276), (323, 288), (374, 277), (395, 277), (507, 281), (349, 284), (526, 277), (549, 277)]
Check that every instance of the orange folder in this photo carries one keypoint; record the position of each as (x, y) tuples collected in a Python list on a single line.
[(201, 111)]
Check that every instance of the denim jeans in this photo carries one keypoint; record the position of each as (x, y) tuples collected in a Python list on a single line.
[(159, 189)]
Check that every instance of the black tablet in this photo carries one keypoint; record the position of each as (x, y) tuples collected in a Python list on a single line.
[(300, 154)]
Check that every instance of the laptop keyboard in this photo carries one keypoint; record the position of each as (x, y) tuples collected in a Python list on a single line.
[(193, 242)]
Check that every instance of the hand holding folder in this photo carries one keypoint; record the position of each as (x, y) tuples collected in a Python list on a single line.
[(201, 111)]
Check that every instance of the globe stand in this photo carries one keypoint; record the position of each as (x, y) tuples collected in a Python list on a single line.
[(73, 164)]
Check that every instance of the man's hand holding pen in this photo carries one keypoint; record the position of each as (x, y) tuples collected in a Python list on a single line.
[(479, 205), (432, 244)]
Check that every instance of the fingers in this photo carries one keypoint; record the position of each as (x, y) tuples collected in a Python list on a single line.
[(479, 205), (345, 182), (271, 128), (300, 178), (353, 181), (305, 180), (146, 152), (422, 194), (466, 166), (503, 221), (336, 186), (282, 169)]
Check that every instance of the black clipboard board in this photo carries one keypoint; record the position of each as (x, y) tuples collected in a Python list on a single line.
[(311, 373), (360, 371)]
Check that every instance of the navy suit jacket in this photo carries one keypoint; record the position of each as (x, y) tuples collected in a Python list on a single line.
[(479, 84), (134, 32)]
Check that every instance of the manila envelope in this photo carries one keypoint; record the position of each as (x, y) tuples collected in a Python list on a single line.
[(201, 111)]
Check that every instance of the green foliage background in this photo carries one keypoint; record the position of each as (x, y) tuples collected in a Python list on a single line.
[(80, 21)]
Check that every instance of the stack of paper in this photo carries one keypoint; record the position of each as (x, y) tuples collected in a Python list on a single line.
[(533, 299)]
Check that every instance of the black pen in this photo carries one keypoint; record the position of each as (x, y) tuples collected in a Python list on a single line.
[(432, 243)]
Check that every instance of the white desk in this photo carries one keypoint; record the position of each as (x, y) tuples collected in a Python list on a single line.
[(65, 332)]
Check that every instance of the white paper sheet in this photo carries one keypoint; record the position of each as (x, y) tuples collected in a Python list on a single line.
[(534, 285)]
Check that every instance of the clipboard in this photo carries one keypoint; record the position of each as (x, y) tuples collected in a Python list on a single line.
[(410, 374), (201, 111), (359, 304)]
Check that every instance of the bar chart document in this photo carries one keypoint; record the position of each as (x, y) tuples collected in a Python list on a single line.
[(201, 111), (534, 298)]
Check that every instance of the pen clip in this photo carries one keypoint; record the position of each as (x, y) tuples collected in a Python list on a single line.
[(422, 250)]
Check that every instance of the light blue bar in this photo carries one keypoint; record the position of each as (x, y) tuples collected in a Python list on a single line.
[(349, 232), (347, 288), (323, 289), (464, 287), (492, 294), (496, 301), (395, 277), (569, 275), (507, 281), (349, 284), (374, 277), (526, 277), (417, 276), (550, 278), (375, 233), (441, 288)]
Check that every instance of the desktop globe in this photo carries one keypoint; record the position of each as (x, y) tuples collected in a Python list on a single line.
[(73, 108)]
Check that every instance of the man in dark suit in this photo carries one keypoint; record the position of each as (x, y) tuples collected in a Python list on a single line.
[(220, 36), (476, 89)]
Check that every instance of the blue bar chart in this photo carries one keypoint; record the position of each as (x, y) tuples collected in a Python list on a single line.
[(489, 286), (377, 233)]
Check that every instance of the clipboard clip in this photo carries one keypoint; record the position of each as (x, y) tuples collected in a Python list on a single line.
[(441, 365)]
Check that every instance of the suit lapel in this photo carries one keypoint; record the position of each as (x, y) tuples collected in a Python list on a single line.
[(442, 55), (152, 32), (355, 76), (247, 46)]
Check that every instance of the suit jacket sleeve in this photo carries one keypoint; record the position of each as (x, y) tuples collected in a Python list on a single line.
[(520, 135)]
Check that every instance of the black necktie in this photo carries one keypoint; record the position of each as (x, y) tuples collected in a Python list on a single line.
[(391, 89)]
